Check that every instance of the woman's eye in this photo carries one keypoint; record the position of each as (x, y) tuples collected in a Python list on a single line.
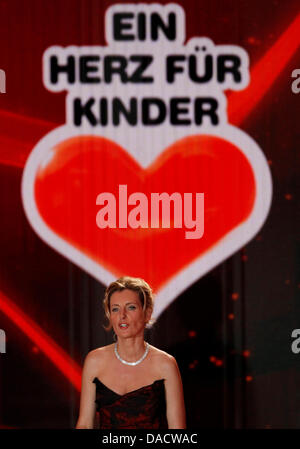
[(132, 307), (114, 309)]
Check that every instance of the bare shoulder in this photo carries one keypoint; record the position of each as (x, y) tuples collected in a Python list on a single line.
[(97, 353), (166, 362), (96, 358)]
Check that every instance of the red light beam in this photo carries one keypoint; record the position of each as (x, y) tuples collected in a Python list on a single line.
[(47, 345), (264, 73)]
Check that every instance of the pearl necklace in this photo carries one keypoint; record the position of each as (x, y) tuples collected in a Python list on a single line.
[(132, 363)]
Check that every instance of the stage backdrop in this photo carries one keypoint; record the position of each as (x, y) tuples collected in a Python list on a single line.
[(156, 140)]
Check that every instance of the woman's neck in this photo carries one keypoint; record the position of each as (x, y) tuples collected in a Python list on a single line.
[(131, 349)]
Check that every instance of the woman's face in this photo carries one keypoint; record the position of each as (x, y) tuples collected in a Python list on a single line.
[(126, 314)]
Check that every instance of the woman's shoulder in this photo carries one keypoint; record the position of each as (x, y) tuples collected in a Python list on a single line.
[(98, 356), (165, 361), (166, 367)]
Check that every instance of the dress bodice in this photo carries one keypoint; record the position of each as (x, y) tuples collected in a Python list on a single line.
[(144, 408)]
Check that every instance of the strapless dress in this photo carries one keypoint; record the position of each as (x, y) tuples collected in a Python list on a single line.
[(144, 408)]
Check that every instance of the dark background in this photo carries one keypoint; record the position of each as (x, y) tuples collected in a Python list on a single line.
[(259, 285)]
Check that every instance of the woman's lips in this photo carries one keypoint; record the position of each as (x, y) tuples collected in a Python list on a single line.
[(123, 326)]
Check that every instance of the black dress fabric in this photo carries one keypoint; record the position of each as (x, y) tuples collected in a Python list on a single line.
[(144, 408)]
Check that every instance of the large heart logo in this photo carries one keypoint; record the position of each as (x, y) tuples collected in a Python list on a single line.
[(65, 182), (66, 188)]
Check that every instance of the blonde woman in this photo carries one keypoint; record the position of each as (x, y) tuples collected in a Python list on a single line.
[(130, 383)]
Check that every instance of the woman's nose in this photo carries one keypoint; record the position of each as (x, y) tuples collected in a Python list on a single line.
[(123, 313)]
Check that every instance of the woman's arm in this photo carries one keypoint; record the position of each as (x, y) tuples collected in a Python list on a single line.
[(87, 398), (174, 395)]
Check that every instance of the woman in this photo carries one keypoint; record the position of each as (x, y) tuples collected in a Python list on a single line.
[(135, 384)]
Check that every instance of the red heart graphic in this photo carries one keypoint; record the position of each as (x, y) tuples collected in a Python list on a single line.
[(67, 185)]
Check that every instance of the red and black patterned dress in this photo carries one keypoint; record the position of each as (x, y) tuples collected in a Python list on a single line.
[(144, 408)]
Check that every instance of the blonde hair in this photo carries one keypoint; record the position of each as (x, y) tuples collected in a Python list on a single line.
[(130, 283)]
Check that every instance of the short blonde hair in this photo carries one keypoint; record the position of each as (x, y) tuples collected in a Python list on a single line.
[(130, 283)]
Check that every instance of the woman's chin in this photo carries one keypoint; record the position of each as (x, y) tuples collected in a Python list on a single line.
[(128, 333)]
